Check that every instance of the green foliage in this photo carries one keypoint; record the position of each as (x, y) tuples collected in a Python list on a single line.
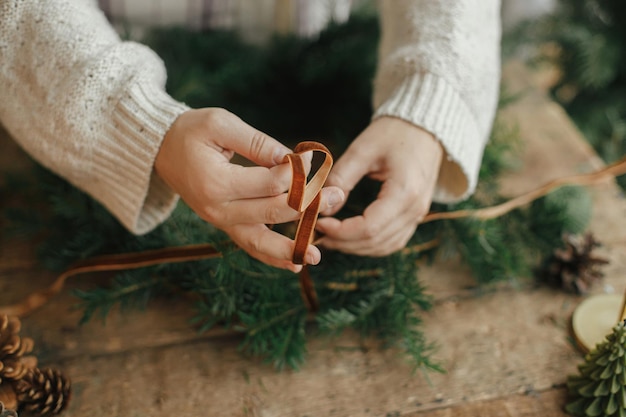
[(294, 89), (600, 387), (565, 210), (591, 42), (512, 245), (291, 89), (127, 290)]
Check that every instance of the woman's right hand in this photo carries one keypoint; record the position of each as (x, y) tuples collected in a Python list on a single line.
[(194, 160)]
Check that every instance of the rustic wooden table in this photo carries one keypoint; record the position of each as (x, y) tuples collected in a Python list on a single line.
[(506, 352)]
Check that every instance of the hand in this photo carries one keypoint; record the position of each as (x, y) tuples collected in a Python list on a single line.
[(406, 159), (194, 160)]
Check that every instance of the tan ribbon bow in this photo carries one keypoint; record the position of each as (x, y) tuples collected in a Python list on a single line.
[(305, 197)]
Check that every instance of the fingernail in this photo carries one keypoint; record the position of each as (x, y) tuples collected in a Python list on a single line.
[(313, 257), (334, 198), (279, 155), (311, 260)]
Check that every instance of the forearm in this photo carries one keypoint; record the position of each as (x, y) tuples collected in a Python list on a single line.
[(86, 105), (439, 69)]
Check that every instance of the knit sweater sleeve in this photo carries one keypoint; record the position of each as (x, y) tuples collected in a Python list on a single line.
[(87, 105), (439, 68)]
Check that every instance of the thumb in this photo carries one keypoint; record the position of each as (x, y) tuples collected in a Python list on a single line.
[(349, 169)]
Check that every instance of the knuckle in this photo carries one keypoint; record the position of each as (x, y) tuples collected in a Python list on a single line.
[(277, 185), (386, 251), (272, 215), (257, 143), (390, 248), (217, 118), (208, 214), (255, 243), (401, 244), (213, 192), (412, 194), (216, 214), (372, 230), (422, 210), (336, 179)]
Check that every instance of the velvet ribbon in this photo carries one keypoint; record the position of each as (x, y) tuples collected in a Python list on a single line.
[(305, 198)]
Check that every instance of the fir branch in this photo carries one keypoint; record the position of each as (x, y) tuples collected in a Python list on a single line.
[(335, 321), (279, 337), (126, 291), (419, 352)]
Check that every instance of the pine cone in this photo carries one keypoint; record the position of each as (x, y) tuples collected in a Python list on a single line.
[(575, 268), (8, 396), (13, 364), (43, 391), (5, 412)]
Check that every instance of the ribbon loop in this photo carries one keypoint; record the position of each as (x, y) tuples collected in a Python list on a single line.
[(305, 197)]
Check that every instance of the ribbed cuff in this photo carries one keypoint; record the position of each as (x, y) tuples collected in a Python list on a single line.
[(136, 195), (431, 103)]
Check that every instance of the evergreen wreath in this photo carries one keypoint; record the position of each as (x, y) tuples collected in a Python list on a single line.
[(292, 88)]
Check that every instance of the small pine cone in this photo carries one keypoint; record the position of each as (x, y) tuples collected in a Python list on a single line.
[(575, 268), (6, 412), (8, 396), (43, 391), (13, 364)]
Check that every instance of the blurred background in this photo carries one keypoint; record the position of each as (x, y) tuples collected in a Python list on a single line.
[(579, 43)]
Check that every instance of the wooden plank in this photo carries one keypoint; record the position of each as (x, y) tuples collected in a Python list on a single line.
[(58, 334), (491, 346), (340, 378), (532, 404), (211, 379)]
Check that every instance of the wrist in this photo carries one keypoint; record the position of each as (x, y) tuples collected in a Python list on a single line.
[(163, 166), (426, 142)]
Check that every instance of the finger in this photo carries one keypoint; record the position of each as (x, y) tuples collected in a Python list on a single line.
[(256, 182), (337, 231), (233, 133), (271, 210), (346, 173), (270, 247), (393, 239), (390, 204), (385, 226)]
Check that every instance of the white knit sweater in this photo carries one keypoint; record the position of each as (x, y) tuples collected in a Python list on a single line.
[(93, 108)]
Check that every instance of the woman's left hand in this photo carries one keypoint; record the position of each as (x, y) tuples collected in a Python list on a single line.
[(406, 159)]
